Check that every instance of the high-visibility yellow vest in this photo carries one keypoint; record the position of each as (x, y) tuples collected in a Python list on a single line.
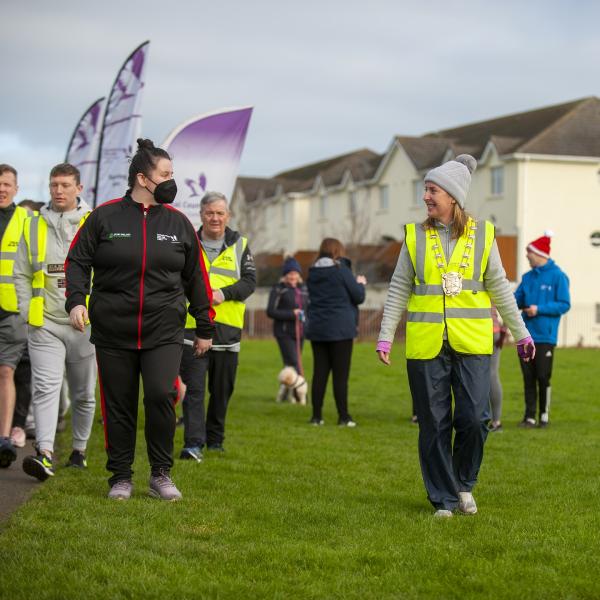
[(8, 253), (225, 270), (467, 316), (36, 238)]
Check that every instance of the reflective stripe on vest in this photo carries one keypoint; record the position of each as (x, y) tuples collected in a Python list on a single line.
[(465, 317), (36, 237), (8, 253), (225, 270)]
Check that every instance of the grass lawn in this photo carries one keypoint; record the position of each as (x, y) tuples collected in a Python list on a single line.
[(296, 511)]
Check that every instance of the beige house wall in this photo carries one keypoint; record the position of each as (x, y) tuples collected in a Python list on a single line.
[(564, 196)]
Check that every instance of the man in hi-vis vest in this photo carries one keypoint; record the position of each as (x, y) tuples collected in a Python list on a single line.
[(232, 277), (54, 346), (13, 330)]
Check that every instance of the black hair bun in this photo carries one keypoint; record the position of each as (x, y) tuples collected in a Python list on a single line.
[(145, 144)]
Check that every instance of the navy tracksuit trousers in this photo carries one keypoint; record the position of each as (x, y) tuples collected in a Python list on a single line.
[(448, 466)]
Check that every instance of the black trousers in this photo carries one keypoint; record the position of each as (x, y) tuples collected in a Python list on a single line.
[(536, 379), (289, 351), (222, 368), (23, 388), (119, 376), (450, 468), (193, 373), (335, 358)]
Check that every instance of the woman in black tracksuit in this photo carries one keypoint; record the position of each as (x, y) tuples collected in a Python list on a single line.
[(332, 325), (288, 301), (145, 260)]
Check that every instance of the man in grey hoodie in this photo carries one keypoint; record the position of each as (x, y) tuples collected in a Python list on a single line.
[(54, 346)]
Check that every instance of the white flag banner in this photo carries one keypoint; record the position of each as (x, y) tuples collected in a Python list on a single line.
[(83, 148), (121, 128), (206, 153)]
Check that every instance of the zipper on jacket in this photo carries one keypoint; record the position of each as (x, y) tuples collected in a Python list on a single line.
[(139, 344)]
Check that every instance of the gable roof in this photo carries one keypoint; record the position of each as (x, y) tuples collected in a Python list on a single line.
[(568, 129), (362, 164), (554, 129)]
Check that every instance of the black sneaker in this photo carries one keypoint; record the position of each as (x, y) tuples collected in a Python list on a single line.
[(39, 466), (316, 421), (8, 454), (77, 460), (215, 448), (348, 422), (527, 423)]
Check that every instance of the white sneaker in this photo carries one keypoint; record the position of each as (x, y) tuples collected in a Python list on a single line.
[(442, 513), (466, 503)]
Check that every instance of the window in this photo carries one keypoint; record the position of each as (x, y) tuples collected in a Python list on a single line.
[(284, 212), (384, 197), (352, 202), (418, 191), (323, 206), (497, 181)]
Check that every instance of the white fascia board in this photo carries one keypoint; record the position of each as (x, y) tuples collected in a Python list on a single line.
[(551, 157), (490, 149), (448, 155), (393, 146)]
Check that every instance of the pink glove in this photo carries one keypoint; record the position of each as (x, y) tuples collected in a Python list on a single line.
[(384, 347), (526, 349)]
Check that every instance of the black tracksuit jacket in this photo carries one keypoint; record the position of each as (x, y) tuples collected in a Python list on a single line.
[(145, 262)]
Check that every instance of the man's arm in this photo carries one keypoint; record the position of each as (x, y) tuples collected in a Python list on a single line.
[(562, 299), (242, 289)]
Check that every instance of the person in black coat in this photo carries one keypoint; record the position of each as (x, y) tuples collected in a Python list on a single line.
[(145, 258), (332, 323), (288, 301)]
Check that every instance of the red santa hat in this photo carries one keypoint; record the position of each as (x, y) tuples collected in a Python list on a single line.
[(541, 246)]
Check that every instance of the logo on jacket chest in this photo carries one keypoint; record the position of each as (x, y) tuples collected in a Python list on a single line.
[(165, 237), (545, 287), (118, 236)]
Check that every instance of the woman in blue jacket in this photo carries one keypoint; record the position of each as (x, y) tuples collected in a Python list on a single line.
[(332, 326)]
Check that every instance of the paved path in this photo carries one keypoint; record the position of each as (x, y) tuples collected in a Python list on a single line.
[(15, 485)]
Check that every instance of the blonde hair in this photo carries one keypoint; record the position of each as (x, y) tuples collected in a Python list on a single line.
[(460, 218)]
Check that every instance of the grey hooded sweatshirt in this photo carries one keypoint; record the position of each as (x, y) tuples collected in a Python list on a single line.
[(62, 228)]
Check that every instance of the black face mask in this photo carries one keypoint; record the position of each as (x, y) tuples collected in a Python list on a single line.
[(165, 191)]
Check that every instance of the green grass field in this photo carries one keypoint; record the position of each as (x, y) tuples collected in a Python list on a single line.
[(296, 511)]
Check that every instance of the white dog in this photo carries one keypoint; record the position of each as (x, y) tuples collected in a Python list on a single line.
[(293, 386)]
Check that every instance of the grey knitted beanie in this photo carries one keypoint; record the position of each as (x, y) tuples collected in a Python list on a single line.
[(454, 177)]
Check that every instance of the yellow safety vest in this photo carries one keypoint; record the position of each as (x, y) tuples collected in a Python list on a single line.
[(8, 253), (36, 237), (225, 270), (467, 316)]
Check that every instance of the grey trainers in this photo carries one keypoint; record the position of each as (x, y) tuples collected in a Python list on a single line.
[(163, 488), (442, 513), (466, 503), (121, 490)]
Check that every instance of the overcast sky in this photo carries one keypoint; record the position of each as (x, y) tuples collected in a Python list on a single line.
[(325, 78)]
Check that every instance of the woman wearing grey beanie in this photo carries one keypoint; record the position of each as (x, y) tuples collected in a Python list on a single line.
[(448, 273)]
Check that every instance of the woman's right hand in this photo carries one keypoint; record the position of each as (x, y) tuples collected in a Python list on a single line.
[(361, 279), (384, 357), (78, 317)]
